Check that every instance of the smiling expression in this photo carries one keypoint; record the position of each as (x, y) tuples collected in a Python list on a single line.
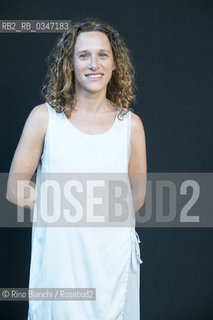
[(93, 62)]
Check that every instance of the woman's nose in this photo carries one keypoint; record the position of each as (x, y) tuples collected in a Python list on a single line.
[(93, 64)]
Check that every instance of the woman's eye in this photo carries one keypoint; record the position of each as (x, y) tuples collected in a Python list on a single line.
[(83, 56)]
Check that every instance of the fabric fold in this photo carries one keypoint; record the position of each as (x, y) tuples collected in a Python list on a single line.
[(136, 259)]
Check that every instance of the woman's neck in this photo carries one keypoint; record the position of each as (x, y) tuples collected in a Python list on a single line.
[(92, 103)]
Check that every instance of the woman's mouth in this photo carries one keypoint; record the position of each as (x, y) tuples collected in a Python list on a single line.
[(96, 76)]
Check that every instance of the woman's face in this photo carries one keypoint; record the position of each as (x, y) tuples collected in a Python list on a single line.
[(93, 62)]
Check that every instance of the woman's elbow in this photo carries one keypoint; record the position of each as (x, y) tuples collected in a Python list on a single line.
[(10, 196)]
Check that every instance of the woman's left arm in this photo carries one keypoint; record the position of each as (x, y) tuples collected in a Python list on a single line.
[(137, 168)]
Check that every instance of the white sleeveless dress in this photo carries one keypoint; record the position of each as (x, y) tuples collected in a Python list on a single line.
[(107, 259)]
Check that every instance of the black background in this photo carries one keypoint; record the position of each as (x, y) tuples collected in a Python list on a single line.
[(171, 45)]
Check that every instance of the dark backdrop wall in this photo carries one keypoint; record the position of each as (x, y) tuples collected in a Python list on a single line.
[(171, 45)]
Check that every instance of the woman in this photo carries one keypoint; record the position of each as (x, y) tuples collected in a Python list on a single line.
[(86, 125)]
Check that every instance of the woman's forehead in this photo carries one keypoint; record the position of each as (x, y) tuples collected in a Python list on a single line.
[(92, 39)]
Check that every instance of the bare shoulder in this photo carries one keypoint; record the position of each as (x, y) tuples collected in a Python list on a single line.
[(137, 128), (40, 111), (38, 117), (137, 162), (36, 124)]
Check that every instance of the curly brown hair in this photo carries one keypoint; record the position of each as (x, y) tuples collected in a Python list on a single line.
[(59, 87)]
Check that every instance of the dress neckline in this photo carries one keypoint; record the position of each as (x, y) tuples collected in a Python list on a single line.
[(93, 134)]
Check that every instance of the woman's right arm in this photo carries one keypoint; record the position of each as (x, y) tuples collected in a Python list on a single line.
[(27, 157)]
